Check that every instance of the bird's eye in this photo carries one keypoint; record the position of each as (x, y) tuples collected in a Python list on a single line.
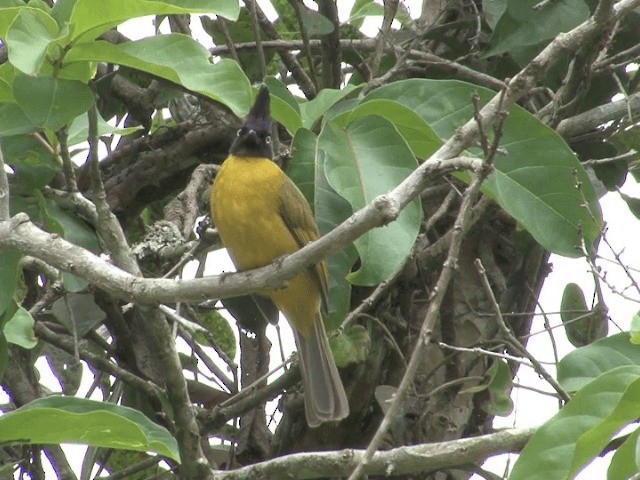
[(267, 139), (239, 132)]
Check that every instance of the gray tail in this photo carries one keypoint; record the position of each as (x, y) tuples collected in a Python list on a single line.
[(324, 396)]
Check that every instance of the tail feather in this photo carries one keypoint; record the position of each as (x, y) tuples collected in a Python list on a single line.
[(324, 396)]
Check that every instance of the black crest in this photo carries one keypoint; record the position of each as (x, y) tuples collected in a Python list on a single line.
[(254, 138)]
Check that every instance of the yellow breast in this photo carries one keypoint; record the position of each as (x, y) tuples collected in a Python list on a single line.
[(245, 203)]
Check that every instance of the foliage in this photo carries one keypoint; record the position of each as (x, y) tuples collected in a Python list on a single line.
[(67, 77)]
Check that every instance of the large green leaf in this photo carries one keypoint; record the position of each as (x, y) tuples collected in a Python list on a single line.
[(90, 18), (592, 442), (522, 24), (578, 432), (8, 15), (177, 58), (284, 107), (306, 169), (534, 180), (368, 159), (78, 130), (13, 121), (418, 134), (29, 37), (313, 110), (51, 102), (625, 462), (54, 420), (582, 365)]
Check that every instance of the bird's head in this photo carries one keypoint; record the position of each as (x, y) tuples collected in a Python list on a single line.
[(254, 137)]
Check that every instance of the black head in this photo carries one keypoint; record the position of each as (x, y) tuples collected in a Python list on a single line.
[(254, 137)]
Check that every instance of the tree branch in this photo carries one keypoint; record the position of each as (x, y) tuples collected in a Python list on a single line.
[(415, 459), (20, 232), (454, 69), (593, 119)]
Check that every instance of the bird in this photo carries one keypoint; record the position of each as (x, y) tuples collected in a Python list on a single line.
[(261, 216)]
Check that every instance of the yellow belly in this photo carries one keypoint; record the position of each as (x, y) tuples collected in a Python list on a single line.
[(245, 206)]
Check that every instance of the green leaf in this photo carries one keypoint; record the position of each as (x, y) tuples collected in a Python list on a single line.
[(522, 24), (362, 9), (78, 312), (635, 329), (179, 59), (369, 159), (220, 330), (72, 283), (498, 384), (284, 107), (71, 227), (582, 325), (632, 202), (34, 165), (313, 110), (493, 10), (418, 134), (625, 462), (4, 355), (534, 181), (306, 169), (621, 413), (582, 365), (8, 15), (7, 74), (54, 420), (19, 329), (239, 31), (351, 346), (67, 368), (9, 276), (13, 121), (29, 37), (314, 22), (79, 129), (87, 24), (51, 102), (557, 450)]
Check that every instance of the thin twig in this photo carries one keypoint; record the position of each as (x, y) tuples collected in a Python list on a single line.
[(67, 164), (390, 10), (297, 7), (511, 339), (487, 353), (603, 161), (222, 23), (251, 6), (108, 226)]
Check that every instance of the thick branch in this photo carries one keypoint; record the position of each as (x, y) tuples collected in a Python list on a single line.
[(456, 70), (19, 232), (414, 459), (592, 119)]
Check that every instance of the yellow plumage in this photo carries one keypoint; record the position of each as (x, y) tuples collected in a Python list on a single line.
[(261, 216)]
